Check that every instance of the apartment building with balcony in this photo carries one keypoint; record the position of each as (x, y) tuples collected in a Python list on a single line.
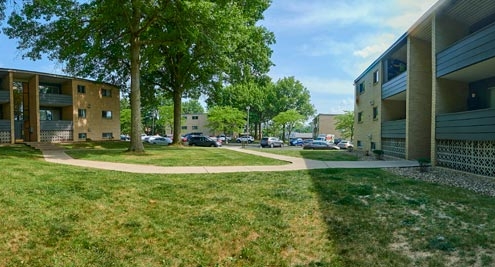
[(432, 93), (40, 107)]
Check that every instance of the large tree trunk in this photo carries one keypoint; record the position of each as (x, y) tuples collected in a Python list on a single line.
[(177, 97), (136, 142)]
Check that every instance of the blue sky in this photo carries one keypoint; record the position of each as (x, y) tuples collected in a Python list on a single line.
[(325, 44)]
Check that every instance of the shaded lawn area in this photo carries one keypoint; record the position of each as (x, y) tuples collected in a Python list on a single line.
[(57, 215), (165, 155), (323, 155)]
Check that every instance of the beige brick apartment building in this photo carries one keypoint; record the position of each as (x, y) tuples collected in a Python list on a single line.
[(40, 107), (432, 93), (325, 124)]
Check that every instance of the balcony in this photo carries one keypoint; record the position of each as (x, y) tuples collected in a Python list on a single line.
[(55, 100), (4, 96), (473, 49), (395, 86), (56, 125), (394, 129), (4, 126), (475, 125)]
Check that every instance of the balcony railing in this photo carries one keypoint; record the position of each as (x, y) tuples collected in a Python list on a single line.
[(56, 125), (55, 100), (4, 96), (395, 86), (475, 125), (394, 129), (474, 48), (4, 125)]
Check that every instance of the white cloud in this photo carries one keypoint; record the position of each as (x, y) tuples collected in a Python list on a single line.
[(324, 85)]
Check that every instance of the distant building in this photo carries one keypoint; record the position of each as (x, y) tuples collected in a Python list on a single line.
[(41, 107), (325, 124), (195, 123)]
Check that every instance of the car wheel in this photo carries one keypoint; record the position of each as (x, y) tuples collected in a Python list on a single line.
[(271, 145)]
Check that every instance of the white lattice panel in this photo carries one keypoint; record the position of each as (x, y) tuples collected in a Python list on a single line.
[(55, 136), (5, 137), (470, 156)]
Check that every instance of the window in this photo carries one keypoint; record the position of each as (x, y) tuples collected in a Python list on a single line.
[(195, 127), (376, 76), (106, 92), (194, 117), (82, 135), (106, 114), (373, 146), (360, 117), (47, 114), (375, 113), (81, 113), (359, 144), (361, 88), (184, 127), (107, 135), (50, 88), (81, 89)]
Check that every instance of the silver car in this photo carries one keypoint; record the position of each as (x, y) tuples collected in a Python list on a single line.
[(271, 142)]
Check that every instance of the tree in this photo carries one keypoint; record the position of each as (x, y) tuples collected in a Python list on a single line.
[(211, 44), (289, 93), (240, 96), (225, 119), (288, 120), (97, 39), (166, 117), (192, 107), (345, 124), (125, 120)]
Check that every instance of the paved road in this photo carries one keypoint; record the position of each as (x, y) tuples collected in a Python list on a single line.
[(58, 156)]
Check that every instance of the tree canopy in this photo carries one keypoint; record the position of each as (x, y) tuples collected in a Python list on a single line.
[(345, 124), (177, 48)]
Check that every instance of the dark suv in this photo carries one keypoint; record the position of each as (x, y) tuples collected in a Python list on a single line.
[(203, 141)]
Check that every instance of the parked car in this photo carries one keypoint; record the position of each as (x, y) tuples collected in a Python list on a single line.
[(204, 141), (307, 141), (245, 138), (320, 145), (271, 142), (150, 138), (344, 144), (161, 141), (223, 138), (125, 137), (296, 142), (187, 136)]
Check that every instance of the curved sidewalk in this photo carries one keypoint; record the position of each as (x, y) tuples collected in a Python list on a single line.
[(60, 157)]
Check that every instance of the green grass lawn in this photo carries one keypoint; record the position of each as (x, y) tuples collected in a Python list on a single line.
[(165, 155), (325, 155), (57, 215)]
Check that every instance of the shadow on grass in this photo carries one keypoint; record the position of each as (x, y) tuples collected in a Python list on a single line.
[(19, 151), (375, 218)]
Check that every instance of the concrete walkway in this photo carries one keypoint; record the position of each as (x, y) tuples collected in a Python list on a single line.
[(60, 157)]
